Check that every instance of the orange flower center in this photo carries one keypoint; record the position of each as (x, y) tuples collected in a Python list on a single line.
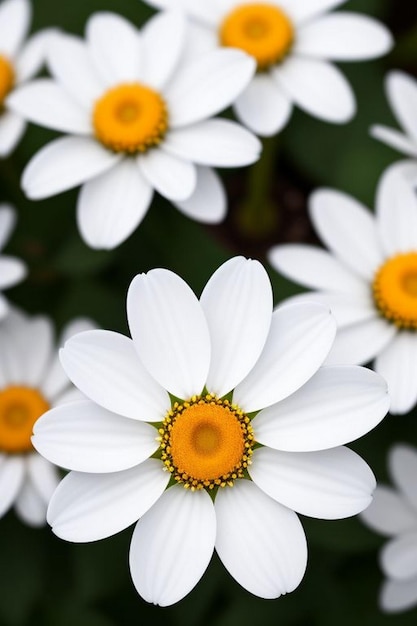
[(20, 407), (262, 30), (395, 290), (130, 118), (6, 78), (206, 442)]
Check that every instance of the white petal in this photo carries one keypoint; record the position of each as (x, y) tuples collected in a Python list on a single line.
[(317, 87), (394, 139), (389, 513), (402, 462), (12, 472), (88, 507), (169, 331), (343, 37), (336, 406), (313, 267), (399, 557), (183, 525), (4, 308), (401, 91), (46, 103), (105, 367), (260, 542), (15, 16), (13, 337), (237, 303), (65, 163), (12, 127), (360, 343), (113, 43), (396, 206), (8, 218), (346, 308), (33, 54), (173, 177), (36, 345), (398, 595), (397, 363), (263, 107), (221, 75), (161, 60), (112, 205), (208, 202), (30, 507), (70, 62), (12, 271), (217, 142), (299, 340), (348, 229), (44, 477), (329, 484), (302, 11)]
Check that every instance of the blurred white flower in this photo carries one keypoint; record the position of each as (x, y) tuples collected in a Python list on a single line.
[(292, 42), (139, 117), (210, 394), (12, 270), (393, 513), (368, 279), (19, 62), (31, 382)]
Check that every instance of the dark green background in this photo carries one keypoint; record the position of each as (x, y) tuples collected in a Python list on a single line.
[(46, 581)]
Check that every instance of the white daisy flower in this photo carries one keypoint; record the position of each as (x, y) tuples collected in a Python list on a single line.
[(368, 279), (393, 513), (12, 270), (292, 42), (401, 90), (19, 62), (31, 382), (210, 394), (139, 119)]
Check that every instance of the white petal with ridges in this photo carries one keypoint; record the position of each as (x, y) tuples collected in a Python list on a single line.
[(15, 16), (12, 473), (299, 340), (398, 595), (84, 437), (398, 557), (328, 484), (397, 363), (336, 406), (221, 75), (173, 177), (263, 107), (260, 542), (88, 507), (12, 127), (237, 303), (208, 202), (105, 367), (388, 513), (172, 545), (161, 61), (169, 331), (112, 205), (362, 342), (65, 163), (403, 469)]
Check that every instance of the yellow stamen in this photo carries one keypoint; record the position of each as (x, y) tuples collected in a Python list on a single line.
[(262, 30), (20, 407), (7, 78), (206, 443), (395, 290), (130, 118)]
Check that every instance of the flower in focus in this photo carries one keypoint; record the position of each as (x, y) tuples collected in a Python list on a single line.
[(31, 382), (211, 426), (292, 43), (12, 270), (19, 62), (368, 279), (393, 513), (138, 116)]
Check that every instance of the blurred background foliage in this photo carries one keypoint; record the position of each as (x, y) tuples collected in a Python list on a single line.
[(48, 582)]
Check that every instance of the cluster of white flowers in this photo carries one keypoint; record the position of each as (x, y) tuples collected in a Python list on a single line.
[(221, 418)]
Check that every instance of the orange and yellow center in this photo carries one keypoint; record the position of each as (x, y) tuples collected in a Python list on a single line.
[(262, 30), (130, 118), (20, 407), (395, 290), (206, 443), (6, 78)]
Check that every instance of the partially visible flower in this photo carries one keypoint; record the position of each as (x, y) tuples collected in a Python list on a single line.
[(19, 62), (212, 425), (393, 513), (138, 114), (368, 279), (292, 42), (12, 270), (31, 382)]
